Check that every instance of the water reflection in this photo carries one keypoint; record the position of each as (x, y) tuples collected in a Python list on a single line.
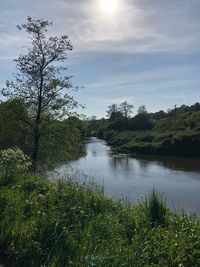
[(173, 163), (177, 178), (144, 164), (116, 163), (94, 153)]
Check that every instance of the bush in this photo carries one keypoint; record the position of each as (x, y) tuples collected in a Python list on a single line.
[(12, 163)]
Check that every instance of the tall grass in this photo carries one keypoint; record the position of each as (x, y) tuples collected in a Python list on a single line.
[(155, 208), (67, 223)]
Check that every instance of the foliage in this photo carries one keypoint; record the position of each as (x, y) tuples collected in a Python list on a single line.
[(158, 133), (140, 122), (68, 223), (14, 130), (12, 162), (112, 111), (39, 81), (169, 143), (60, 142), (126, 109), (142, 110), (155, 209)]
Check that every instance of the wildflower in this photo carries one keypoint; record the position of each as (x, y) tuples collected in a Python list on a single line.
[(13, 160), (41, 196)]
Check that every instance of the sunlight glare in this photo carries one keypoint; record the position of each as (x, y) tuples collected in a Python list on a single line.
[(109, 5)]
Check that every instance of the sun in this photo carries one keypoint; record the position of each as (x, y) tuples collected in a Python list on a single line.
[(109, 5)]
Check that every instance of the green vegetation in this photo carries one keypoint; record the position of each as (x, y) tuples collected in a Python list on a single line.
[(155, 209), (41, 88), (176, 132), (69, 223), (61, 141), (38, 114), (170, 143)]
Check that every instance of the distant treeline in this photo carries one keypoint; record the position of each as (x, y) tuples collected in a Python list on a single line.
[(175, 132)]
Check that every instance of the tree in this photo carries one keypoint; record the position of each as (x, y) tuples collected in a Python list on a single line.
[(140, 122), (39, 81), (158, 115), (142, 110), (112, 111), (126, 109), (13, 130)]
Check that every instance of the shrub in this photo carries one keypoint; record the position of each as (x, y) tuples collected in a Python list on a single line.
[(12, 163)]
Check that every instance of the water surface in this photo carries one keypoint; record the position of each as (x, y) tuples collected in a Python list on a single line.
[(177, 178)]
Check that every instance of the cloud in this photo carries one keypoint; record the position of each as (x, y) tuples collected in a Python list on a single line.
[(117, 100), (137, 27), (116, 57)]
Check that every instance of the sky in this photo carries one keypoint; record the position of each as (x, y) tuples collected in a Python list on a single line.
[(145, 52)]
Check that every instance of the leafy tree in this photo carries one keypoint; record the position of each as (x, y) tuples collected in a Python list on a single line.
[(39, 82), (140, 122), (158, 115), (14, 130), (118, 124), (142, 110), (183, 108), (62, 139), (112, 111), (195, 107), (126, 109)]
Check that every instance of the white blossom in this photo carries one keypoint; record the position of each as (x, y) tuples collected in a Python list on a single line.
[(13, 160)]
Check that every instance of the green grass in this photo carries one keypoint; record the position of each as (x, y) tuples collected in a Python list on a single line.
[(155, 209), (68, 223)]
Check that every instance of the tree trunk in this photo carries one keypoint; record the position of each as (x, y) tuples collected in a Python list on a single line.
[(35, 147), (126, 121), (37, 129)]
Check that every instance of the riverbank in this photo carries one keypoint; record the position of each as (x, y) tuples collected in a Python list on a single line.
[(69, 223), (185, 144)]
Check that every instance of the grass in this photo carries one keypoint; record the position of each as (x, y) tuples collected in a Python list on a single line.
[(155, 209), (68, 223)]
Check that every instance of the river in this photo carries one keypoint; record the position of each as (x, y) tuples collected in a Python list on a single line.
[(131, 178)]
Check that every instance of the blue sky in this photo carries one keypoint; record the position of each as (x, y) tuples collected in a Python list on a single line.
[(146, 52)]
